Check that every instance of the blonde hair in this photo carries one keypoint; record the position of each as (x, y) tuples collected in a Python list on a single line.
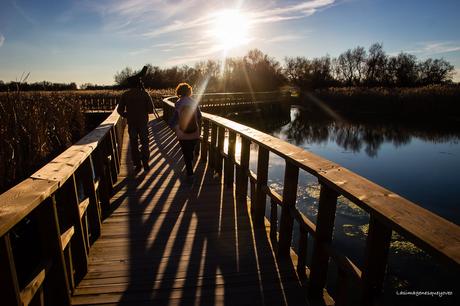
[(183, 89)]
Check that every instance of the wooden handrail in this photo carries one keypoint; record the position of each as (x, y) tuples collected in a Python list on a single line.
[(388, 210), (88, 167)]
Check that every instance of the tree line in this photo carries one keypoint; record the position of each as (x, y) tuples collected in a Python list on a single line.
[(37, 86), (258, 71)]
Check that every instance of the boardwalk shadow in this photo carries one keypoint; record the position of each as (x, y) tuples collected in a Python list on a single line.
[(174, 244)]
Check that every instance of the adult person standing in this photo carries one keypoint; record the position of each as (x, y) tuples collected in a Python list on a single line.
[(135, 105), (186, 122)]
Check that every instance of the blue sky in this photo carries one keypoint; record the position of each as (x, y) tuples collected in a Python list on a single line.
[(89, 41)]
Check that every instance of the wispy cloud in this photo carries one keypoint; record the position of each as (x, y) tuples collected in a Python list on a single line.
[(185, 25), (432, 48), (283, 38), (293, 11), (23, 13), (2, 39)]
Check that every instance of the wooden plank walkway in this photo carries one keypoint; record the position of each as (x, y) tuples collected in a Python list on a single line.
[(171, 243)]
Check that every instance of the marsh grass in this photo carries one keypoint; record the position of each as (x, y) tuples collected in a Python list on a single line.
[(35, 127), (438, 101)]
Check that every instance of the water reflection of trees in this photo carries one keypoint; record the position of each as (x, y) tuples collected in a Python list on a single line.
[(309, 126), (355, 136)]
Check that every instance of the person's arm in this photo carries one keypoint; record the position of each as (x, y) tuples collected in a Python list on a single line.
[(121, 108)]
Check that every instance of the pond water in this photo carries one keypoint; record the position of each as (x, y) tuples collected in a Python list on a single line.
[(418, 160)]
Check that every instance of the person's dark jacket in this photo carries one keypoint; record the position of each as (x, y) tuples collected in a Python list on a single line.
[(135, 105)]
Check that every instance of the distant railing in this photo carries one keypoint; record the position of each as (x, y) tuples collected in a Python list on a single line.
[(98, 104), (61, 205), (208, 101), (388, 211)]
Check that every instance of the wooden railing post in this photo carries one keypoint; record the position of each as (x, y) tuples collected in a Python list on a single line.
[(68, 199), (9, 287), (262, 177), (291, 178), (375, 261), (212, 147), (230, 160), (324, 228), (114, 150), (273, 218), (103, 190), (57, 289), (242, 177), (220, 149), (108, 161), (94, 214), (205, 142), (302, 253)]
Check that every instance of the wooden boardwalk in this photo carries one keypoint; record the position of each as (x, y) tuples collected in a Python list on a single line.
[(171, 243)]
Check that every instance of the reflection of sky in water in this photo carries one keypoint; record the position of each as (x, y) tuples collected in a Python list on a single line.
[(424, 171)]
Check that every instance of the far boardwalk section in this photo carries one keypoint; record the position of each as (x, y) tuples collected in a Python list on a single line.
[(169, 242), (86, 230)]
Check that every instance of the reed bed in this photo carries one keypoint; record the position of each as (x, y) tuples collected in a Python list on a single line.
[(419, 102), (34, 128)]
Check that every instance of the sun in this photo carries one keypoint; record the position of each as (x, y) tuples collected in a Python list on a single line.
[(230, 28)]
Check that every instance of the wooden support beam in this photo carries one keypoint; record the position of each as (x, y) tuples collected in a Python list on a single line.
[(302, 254), (230, 159), (242, 177), (79, 241), (90, 189), (9, 287), (262, 178), (273, 219), (375, 261), (29, 291), (57, 287), (83, 206), (102, 178), (220, 148), (205, 142), (291, 178), (324, 228), (212, 147), (65, 238)]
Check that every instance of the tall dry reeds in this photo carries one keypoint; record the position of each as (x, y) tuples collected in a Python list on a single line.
[(35, 127), (435, 101)]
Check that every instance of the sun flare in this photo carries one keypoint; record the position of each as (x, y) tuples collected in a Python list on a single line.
[(231, 29)]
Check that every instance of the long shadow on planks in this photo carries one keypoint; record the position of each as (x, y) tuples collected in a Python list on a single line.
[(169, 243)]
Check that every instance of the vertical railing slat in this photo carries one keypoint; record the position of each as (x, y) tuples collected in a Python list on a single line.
[(262, 177), (57, 288), (375, 261), (302, 254), (212, 146), (242, 177), (220, 149), (273, 219), (324, 227), (291, 177), (9, 287), (205, 142), (230, 160)]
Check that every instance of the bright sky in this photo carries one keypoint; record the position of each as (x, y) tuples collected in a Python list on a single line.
[(89, 41)]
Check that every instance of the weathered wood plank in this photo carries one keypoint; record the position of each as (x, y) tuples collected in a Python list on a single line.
[(29, 291), (19, 201), (65, 238)]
